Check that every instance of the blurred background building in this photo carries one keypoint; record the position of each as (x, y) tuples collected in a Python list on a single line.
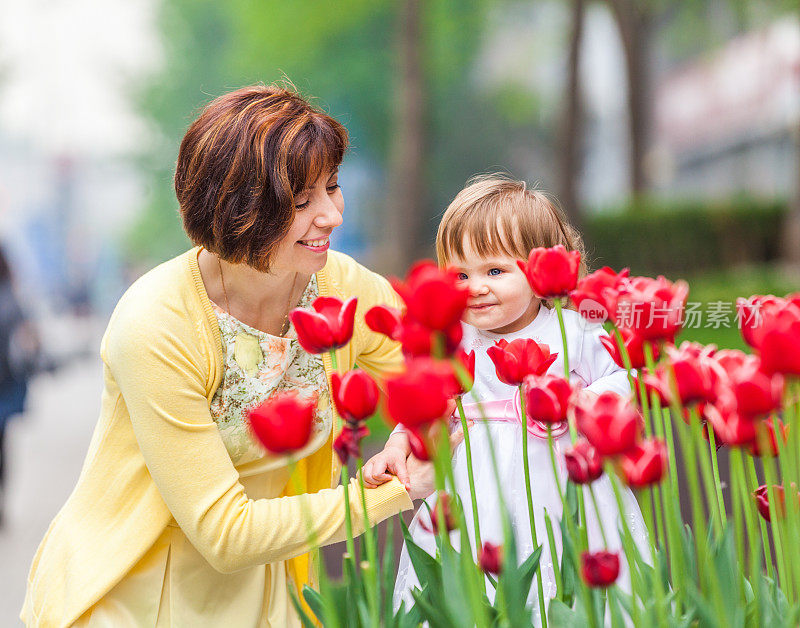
[(668, 130)]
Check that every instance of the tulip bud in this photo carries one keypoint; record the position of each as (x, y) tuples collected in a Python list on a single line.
[(600, 289), (552, 272), (653, 308), (600, 569), (432, 295), (355, 395), (609, 422), (547, 398), (515, 360), (490, 558), (283, 422), (645, 463), (584, 464), (328, 327), (348, 443), (442, 502)]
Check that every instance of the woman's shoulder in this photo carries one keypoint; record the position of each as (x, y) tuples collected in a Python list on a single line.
[(166, 300)]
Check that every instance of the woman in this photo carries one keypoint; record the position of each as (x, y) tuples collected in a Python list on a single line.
[(179, 518)]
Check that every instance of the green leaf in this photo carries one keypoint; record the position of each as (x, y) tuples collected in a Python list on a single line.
[(559, 615), (304, 618), (427, 568), (314, 600), (435, 617)]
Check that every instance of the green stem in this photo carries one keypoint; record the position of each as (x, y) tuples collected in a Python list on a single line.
[(529, 496), (371, 569), (599, 517), (712, 493), (470, 474), (672, 543), (630, 558), (753, 540), (566, 515), (738, 512), (712, 443), (753, 480), (780, 556)]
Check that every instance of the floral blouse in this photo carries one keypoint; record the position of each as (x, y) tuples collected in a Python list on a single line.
[(257, 365)]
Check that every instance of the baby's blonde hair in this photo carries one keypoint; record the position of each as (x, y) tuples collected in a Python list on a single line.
[(499, 215)]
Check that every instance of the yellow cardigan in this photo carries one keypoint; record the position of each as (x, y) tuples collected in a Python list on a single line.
[(156, 457)]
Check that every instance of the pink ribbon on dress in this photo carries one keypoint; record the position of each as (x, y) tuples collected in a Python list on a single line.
[(507, 411)]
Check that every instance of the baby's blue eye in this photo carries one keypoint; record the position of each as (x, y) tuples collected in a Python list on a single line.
[(462, 276), (495, 271)]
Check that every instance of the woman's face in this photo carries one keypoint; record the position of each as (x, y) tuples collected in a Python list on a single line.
[(319, 211)]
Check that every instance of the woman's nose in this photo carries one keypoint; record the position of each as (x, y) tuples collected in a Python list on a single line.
[(330, 215)]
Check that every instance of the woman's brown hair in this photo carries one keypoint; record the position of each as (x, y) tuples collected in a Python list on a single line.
[(243, 161)]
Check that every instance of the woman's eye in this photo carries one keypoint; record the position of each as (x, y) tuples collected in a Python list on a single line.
[(302, 205), (334, 187), (495, 271)]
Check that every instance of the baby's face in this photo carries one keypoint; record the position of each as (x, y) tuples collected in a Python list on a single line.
[(500, 299)]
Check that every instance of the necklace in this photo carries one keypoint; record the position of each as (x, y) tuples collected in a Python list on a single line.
[(285, 324)]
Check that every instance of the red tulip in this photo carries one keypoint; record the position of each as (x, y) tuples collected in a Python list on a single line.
[(283, 422), (610, 423), (490, 558), (644, 464), (634, 346), (419, 396), (354, 394), (597, 293), (417, 339), (449, 519), (515, 360), (780, 346), (584, 464), (652, 384), (348, 443), (385, 320), (765, 431), (467, 363), (418, 443), (653, 308), (552, 272), (730, 427), (761, 495), (754, 312), (329, 327), (599, 569), (432, 295), (694, 375), (756, 393), (546, 398)]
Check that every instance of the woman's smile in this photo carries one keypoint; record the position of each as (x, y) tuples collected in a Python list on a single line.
[(318, 246)]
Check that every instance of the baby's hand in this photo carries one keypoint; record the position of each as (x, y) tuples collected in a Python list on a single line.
[(391, 459)]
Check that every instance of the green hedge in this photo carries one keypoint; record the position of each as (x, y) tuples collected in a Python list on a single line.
[(684, 237)]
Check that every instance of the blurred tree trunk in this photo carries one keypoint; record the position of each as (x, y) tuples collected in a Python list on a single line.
[(572, 121), (406, 188), (634, 23)]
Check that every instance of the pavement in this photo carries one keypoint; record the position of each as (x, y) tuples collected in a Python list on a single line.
[(45, 449)]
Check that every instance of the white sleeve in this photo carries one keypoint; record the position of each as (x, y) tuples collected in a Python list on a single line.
[(596, 368)]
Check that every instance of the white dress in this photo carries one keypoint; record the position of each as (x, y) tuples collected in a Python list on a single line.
[(591, 367)]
